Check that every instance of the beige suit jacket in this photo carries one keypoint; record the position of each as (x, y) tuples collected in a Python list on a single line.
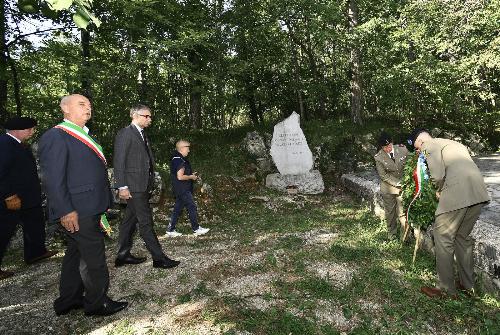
[(390, 171), (455, 174)]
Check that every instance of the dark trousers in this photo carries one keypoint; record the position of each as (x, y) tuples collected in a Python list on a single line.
[(84, 268), (181, 201), (33, 224), (138, 214)]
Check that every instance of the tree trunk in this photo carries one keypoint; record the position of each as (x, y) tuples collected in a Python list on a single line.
[(254, 114), (297, 81), (17, 94), (318, 76), (3, 64), (86, 80), (195, 105), (356, 84), (221, 74), (195, 91), (313, 66)]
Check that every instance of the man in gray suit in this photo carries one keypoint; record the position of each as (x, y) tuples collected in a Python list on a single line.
[(133, 164), (462, 194)]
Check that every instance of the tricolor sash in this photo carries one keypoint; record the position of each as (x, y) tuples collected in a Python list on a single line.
[(78, 133), (82, 136)]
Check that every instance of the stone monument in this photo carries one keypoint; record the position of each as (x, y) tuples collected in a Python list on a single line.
[(294, 159)]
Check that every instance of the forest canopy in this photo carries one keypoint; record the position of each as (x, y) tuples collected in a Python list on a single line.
[(218, 64)]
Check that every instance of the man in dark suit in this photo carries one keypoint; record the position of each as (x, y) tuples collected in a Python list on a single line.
[(133, 164), (75, 179), (20, 193)]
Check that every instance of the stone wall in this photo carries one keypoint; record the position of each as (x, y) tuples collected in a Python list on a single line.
[(486, 232)]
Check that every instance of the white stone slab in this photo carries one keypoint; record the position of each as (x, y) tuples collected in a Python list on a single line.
[(289, 148)]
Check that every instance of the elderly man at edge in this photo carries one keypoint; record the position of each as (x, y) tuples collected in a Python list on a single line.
[(462, 194), (20, 193)]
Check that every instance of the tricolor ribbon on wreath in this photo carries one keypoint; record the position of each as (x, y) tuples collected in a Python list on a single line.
[(419, 177), (78, 133)]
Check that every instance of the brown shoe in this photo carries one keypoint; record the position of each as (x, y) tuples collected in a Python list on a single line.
[(47, 254), (5, 274), (432, 292)]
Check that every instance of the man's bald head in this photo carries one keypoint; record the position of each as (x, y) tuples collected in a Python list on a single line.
[(421, 138), (181, 143), (66, 100), (182, 146), (76, 108)]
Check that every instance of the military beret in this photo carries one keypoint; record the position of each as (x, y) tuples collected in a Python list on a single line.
[(20, 123), (384, 139), (414, 134)]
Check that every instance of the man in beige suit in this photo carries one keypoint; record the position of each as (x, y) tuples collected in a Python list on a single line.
[(461, 193), (390, 161)]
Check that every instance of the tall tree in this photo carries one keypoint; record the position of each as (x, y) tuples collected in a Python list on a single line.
[(356, 83), (85, 67), (3, 63)]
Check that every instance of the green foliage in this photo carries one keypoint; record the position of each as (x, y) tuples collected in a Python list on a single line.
[(28, 6), (82, 16), (422, 210), (239, 62)]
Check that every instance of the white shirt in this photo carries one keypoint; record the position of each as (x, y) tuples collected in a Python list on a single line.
[(139, 129), (14, 137)]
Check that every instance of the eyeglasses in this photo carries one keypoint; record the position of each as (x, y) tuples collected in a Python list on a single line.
[(145, 115)]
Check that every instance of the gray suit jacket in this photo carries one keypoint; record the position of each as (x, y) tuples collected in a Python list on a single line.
[(131, 160)]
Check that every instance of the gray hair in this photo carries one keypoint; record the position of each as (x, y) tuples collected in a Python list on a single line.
[(65, 100), (137, 108)]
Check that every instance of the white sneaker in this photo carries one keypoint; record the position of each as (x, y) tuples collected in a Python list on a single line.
[(201, 231), (173, 234)]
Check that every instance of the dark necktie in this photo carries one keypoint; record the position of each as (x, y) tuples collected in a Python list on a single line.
[(146, 144), (144, 139), (392, 156)]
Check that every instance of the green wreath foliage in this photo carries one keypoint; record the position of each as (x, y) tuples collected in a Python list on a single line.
[(423, 208)]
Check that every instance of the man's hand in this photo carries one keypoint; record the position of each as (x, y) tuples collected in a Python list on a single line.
[(124, 194), (70, 222), (13, 202), (194, 176)]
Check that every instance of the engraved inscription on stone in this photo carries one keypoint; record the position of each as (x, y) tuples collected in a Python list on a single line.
[(289, 148)]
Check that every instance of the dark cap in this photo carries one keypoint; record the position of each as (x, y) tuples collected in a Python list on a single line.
[(414, 134), (20, 123), (384, 139)]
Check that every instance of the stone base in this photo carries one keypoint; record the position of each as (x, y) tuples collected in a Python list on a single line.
[(308, 183)]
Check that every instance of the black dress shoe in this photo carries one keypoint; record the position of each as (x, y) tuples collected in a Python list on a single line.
[(47, 254), (66, 310), (166, 264), (108, 308), (5, 274), (129, 260)]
